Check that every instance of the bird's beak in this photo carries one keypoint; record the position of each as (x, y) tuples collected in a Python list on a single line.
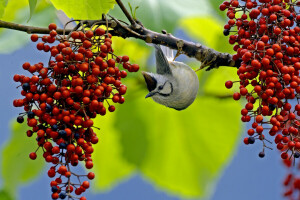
[(150, 81), (150, 94)]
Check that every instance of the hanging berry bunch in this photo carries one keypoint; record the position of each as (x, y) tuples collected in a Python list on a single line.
[(266, 36), (81, 80)]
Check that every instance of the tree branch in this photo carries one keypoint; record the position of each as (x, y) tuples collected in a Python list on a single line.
[(207, 56)]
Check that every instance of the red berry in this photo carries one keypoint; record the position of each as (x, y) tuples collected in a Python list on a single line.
[(89, 165), (32, 156), (284, 155), (91, 175), (86, 184), (236, 96), (34, 37), (52, 26), (111, 108), (99, 31), (228, 84)]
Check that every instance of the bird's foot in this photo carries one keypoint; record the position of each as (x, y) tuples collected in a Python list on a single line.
[(179, 44), (208, 58)]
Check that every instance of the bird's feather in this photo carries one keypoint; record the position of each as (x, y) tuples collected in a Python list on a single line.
[(168, 53), (162, 63)]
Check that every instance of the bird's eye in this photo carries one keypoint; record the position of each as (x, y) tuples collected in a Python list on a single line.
[(160, 87)]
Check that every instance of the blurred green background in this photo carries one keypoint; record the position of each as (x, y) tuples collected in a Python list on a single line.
[(181, 153)]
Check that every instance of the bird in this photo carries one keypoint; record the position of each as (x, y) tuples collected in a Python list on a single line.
[(174, 84)]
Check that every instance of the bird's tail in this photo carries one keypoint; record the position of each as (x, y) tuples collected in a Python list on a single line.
[(168, 53)]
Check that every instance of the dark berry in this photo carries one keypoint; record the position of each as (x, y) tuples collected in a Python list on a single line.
[(76, 135), (48, 108), (62, 145), (54, 127), (30, 114), (251, 140), (62, 195), (261, 154), (62, 133), (20, 119), (54, 189), (272, 107), (26, 86), (226, 32)]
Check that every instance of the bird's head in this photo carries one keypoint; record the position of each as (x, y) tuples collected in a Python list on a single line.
[(160, 86)]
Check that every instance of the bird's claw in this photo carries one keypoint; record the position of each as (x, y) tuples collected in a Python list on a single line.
[(179, 44), (208, 58)]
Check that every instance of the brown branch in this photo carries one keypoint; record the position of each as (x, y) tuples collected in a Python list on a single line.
[(209, 57)]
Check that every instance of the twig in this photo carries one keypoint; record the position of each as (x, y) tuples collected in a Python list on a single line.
[(28, 29), (125, 11), (127, 28)]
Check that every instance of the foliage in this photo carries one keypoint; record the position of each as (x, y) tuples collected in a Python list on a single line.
[(4, 195), (16, 151), (32, 5), (162, 15), (17, 11), (84, 9), (2, 6), (181, 152), (163, 138)]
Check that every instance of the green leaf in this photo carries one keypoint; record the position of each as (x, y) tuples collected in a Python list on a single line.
[(3, 4), (219, 77), (208, 30), (133, 132), (133, 11), (216, 4), (4, 195), (160, 15), (109, 164), (137, 50), (32, 5), (109, 159), (17, 11), (17, 168), (181, 152), (12, 8), (84, 9), (187, 150)]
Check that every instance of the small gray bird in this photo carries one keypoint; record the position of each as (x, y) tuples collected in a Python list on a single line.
[(175, 85)]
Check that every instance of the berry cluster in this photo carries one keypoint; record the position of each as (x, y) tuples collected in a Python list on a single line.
[(266, 38), (292, 181), (81, 79)]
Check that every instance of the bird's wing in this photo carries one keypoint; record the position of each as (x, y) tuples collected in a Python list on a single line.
[(162, 63)]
